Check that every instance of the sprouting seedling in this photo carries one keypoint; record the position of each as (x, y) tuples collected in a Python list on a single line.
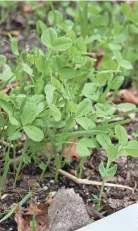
[(113, 151)]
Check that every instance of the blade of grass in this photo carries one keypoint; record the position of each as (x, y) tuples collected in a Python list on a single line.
[(2, 180), (13, 210)]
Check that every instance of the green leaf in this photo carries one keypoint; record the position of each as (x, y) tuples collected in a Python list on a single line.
[(117, 55), (7, 75), (2, 60), (14, 45), (39, 85), (128, 106), (102, 170), (15, 136), (80, 42), (27, 69), (117, 82), (55, 112), (82, 150), (34, 133), (89, 143), (62, 44), (126, 9), (48, 37), (2, 120), (101, 79), (55, 82), (114, 46), (112, 152), (67, 73), (111, 171), (13, 120), (126, 64), (83, 108), (85, 122), (49, 91), (121, 134), (6, 106), (55, 17), (90, 91), (40, 62), (104, 141), (132, 148), (103, 110), (32, 108), (107, 173), (11, 129)]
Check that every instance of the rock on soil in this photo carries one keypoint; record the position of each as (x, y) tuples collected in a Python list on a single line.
[(67, 211)]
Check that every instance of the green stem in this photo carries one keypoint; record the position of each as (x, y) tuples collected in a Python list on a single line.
[(98, 130), (102, 188), (100, 196), (13, 210), (81, 167), (21, 162)]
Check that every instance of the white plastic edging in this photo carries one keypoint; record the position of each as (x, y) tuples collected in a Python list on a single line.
[(124, 220)]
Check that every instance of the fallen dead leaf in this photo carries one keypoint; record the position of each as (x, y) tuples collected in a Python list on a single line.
[(40, 211), (125, 96), (37, 209), (27, 8), (19, 219), (69, 151)]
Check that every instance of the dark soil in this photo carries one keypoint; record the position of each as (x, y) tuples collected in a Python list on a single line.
[(16, 25), (113, 199)]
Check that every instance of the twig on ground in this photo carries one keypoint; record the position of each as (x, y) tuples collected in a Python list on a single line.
[(91, 182)]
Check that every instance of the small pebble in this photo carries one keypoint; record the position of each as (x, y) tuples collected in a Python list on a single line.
[(52, 194), (3, 196), (45, 188)]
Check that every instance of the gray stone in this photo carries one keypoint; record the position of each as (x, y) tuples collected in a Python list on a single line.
[(67, 212)]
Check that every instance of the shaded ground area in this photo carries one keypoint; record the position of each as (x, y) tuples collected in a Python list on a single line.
[(16, 24)]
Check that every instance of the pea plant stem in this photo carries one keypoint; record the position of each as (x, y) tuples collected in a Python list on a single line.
[(98, 130), (81, 167), (21, 161), (100, 196), (102, 188)]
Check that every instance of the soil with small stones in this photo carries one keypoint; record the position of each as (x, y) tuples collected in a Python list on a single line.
[(113, 199)]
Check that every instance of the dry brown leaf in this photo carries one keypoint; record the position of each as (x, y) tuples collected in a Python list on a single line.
[(41, 216), (19, 219), (70, 152), (37, 209), (126, 96), (27, 8), (9, 87)]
